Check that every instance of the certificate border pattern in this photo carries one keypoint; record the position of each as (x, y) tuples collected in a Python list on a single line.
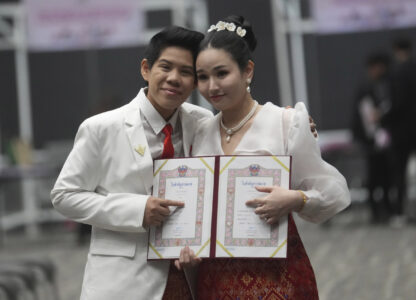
[(190, 173), (273, 241)]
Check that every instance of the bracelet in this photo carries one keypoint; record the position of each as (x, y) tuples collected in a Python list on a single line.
[(305, 199)]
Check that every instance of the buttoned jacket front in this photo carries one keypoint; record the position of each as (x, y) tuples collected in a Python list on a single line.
[(106, 182)]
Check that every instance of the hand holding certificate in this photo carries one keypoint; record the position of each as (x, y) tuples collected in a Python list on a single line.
[(215, 220), (158, 209), (278, 202)]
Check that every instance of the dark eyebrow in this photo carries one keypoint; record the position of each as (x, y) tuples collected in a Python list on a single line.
[(170, 63), (188, 67), (165, 61), (215, 68)]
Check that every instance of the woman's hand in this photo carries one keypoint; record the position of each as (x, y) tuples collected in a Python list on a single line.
[(187, 258), (278, 203)]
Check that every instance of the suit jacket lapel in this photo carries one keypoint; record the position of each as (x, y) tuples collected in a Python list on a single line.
[(138, 142), (188, 130)]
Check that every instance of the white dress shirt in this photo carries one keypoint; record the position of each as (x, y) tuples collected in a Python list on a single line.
[(153, 123)]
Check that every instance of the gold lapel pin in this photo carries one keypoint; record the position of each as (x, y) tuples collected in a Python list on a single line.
[(141, 149)]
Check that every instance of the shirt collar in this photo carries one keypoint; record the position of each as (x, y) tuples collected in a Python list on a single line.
[(155, 120)]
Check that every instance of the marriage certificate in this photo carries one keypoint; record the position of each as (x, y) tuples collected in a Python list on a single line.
[(215, 221)]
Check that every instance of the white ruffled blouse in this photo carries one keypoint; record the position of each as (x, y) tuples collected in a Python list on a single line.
[(279, 131)]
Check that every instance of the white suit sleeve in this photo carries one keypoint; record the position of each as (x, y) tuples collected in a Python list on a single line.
[(76, 193), (325, 187)]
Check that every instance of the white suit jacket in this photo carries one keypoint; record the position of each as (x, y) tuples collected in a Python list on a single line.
[(105, 182)]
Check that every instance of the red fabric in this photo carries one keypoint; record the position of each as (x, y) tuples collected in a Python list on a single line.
[(278, 279), (168, 150), (176, 287)]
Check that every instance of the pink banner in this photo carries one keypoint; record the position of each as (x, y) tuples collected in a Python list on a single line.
[(80, 24), (334, 16)]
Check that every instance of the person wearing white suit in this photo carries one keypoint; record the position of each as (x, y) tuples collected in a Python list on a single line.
[(107, 179)]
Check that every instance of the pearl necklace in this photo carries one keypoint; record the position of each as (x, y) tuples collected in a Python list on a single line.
[(232, 130)]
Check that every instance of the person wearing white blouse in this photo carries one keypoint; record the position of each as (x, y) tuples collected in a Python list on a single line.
[(243, 127)]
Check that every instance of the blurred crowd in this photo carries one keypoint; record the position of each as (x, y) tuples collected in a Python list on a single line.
[(383, 127)]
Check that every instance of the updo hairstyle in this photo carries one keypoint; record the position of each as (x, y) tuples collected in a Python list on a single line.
[(240, 48)]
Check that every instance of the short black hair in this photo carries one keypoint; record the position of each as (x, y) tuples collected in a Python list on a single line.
[(403, 44), (173, 36), (378, 58), (240, 48)]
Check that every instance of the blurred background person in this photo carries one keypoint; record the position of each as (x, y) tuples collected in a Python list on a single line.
[(399, 120), (373, 100)]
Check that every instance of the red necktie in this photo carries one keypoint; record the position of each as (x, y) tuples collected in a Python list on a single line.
[(168, 150)]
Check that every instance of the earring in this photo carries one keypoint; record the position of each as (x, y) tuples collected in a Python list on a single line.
[(248, 85)]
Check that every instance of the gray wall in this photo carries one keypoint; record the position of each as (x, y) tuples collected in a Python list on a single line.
[(335, 66), (67, 86)]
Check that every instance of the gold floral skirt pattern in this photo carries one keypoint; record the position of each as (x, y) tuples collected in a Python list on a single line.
[(260, 279)]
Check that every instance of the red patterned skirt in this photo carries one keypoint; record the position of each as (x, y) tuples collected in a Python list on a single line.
[(176, 287), (243, 279)]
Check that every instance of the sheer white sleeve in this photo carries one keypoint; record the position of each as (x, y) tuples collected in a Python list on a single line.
[(324, 186)]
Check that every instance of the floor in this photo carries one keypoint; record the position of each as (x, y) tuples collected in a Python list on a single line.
[(352, 259)]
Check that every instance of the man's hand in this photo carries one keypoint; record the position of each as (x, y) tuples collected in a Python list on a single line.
[(187, 258), (312, 124), (157, 210), (313, 127)]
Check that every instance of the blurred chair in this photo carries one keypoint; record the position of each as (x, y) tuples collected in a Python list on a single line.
[(3, 295), (38, 277), (27, 277), (46, 276), (12, 288)]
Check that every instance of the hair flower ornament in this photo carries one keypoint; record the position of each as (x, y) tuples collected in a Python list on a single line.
[(212, 28), (240, 31), (221, 25), (230, 26)]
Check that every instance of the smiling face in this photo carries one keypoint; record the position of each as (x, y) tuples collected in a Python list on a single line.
[(171, 79), (220, 80)]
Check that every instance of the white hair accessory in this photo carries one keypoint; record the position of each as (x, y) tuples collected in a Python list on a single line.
[(221, 25)]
